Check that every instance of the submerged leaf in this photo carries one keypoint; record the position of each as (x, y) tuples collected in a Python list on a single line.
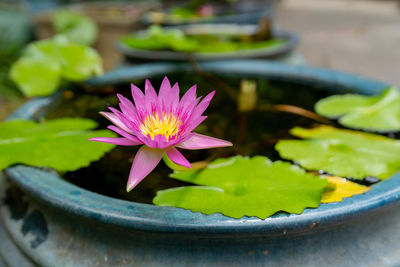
[(343, 153), (61, 144), (377, 113), (242, 186), (343, 188)]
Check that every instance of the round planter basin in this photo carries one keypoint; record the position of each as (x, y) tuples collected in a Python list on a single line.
[(56, 223), (140, 55), (237, 15)]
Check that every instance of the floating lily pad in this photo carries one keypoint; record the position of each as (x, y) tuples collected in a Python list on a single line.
[(243, 186), (45, 63), (344, 153), (28, 74), (77, 27), (378, 113), (343, 188), (61, 144), (157, 38)]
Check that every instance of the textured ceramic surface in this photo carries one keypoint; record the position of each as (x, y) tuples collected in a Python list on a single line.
[(102, 227)]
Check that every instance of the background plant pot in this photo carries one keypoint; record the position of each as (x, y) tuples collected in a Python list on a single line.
[(237, 16), (241, 12), (57, 223), (141, 55), (114, 20)]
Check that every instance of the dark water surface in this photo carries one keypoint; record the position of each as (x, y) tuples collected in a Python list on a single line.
[(253, 133)]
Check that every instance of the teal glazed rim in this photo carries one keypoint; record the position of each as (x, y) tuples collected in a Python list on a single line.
[(56, 192)]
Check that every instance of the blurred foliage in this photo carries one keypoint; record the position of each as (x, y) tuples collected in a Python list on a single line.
[(44, 64), (158, 38), (77, 27), (14, 33), (10, 96)]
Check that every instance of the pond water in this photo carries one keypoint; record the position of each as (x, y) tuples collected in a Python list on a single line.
[(252, 133)]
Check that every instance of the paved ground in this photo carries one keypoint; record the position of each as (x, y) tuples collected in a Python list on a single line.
[(358, 36)]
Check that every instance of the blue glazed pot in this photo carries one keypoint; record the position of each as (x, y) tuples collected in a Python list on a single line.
[(56, 223)]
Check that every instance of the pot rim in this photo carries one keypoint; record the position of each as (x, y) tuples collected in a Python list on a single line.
[(145, 217)]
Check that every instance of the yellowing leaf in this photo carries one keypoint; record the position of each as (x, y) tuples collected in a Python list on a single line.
[(344, 188)]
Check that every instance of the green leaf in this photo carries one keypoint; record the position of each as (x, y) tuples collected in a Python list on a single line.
[(342, 188), (36, 76), (343, 153), (79, 62), (77, 27), (228, 187), (378, 113), (158, 38), (47, 48), (61, 144), (44, 63)]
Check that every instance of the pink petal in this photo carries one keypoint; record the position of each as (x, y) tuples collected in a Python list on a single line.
[(199, 141), (202, 106), (145, 161), (165, 89), (121, 141), (137, 95), (150, 97), (129, 123), (123, 133), (127, 107), (176, 156), (187, 103), (174, 97), (138, 98), (193, 124), (189, 96), (114, 119)]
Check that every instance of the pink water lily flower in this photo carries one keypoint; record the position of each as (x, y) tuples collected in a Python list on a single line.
[(161, 124)]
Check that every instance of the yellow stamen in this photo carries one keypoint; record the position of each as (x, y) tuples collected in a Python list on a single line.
[(167, 126)]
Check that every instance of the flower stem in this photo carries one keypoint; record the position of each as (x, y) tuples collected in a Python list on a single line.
[(172, 165), (194, 166), (294, 110)]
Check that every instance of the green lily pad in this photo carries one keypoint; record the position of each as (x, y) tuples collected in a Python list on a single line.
[(378, 113), (61, 144), (243, 186), (343, 153), (77, 27), (45, 63), (79, 62), (157, 38), (28, 73)]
